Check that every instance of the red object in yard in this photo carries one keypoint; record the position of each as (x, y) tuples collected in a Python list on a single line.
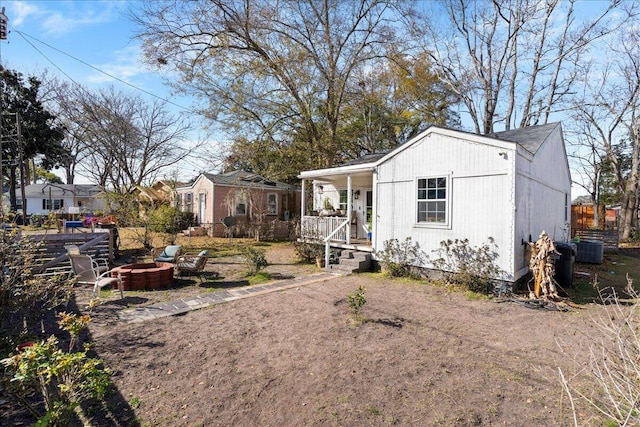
[(24, 345)]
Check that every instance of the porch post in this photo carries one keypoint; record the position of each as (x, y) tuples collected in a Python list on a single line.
[(303, 210), (349, 208)]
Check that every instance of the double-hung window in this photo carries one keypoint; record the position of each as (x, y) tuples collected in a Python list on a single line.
[(432, 200), (343, 200), (272, 204), (241, 204)]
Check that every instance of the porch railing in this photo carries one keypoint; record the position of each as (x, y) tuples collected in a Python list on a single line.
[(321, 227)]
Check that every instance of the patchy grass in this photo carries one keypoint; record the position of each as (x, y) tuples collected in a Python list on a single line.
[(612, 273), (260, 277)]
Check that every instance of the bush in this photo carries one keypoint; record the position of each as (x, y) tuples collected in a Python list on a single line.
[(398, 259), (255, 259), (25, 296), (63, 379), (168, 219), (309, 249), (472, 268)]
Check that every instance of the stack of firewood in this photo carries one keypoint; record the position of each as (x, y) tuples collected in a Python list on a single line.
[(542, 267)]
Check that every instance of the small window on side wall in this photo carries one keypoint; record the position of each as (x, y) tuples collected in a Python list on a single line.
[(432, 200), (241, 205), (272, 204)]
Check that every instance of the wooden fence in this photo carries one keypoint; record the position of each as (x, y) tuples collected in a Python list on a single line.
[(608, 237), (52, 253)]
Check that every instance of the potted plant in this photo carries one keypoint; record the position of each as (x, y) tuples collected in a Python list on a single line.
[(328, 207)]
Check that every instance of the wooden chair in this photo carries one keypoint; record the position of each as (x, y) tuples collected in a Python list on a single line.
[(168, 254), (86, 274), (192, 264)]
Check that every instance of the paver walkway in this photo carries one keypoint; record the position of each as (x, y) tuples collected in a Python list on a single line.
[(172, 308)]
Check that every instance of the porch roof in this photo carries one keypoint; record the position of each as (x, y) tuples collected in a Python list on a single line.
[(358, 169)]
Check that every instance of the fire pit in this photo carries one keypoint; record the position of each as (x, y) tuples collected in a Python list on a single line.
[(145, 276)]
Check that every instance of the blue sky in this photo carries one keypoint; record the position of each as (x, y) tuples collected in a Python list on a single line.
[(86, 41)]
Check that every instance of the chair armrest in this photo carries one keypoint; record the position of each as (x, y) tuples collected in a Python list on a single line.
[(106, 274)]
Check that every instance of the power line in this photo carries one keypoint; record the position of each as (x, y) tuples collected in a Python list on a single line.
[(25, 35)]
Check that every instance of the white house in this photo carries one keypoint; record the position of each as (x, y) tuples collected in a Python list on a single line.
[(446, 184), (44, 198)]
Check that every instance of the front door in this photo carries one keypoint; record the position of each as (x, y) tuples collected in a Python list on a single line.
[(202, 208)]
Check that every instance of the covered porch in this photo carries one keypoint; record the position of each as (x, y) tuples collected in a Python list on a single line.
[(337, 207)]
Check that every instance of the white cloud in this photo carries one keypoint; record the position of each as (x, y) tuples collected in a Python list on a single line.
[(61, 23), (127, 64), (18, 12)]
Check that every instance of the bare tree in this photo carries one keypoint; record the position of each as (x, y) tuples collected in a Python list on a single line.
[(277, 71), (515, 61), (120, 141), (611, 107)]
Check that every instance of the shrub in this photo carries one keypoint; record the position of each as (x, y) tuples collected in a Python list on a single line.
[(25, 296), (63, 379), (605, 390), (255, 259), (357, 301), (398, 259), (309, 249), (472, 268)]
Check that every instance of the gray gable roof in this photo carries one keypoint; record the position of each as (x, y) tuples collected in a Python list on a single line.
[(60, 190), (530, 137), (247, 179)]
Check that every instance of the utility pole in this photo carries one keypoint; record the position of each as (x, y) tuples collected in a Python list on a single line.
[(22, 181)]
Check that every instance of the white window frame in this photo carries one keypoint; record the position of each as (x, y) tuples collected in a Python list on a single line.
[(447, 201), (56, 204), (188, 202), (240, 200), (274, 205)]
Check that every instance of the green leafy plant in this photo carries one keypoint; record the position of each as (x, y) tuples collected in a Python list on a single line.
[(255, 259), (357, 300), (472, 268), (63, 379), (399, 259), (308, 249)]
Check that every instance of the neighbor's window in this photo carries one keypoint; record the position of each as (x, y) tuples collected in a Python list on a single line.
[(272, 204), (241, 205), (52, 204), (432, 200), (343, 200), (188, 202), (179, 201)]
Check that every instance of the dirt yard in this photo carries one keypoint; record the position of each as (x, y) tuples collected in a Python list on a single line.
[(423, 356)]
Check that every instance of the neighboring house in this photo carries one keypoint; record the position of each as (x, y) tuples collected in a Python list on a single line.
[(160, 193), (45, 198), (446, 184), (250, 198)]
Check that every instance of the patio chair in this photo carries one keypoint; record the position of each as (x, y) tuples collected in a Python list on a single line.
[(83, 269), (192, 264), (168, 254), (99, 264)]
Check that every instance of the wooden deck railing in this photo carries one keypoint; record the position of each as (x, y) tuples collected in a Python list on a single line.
[(321, 227)]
